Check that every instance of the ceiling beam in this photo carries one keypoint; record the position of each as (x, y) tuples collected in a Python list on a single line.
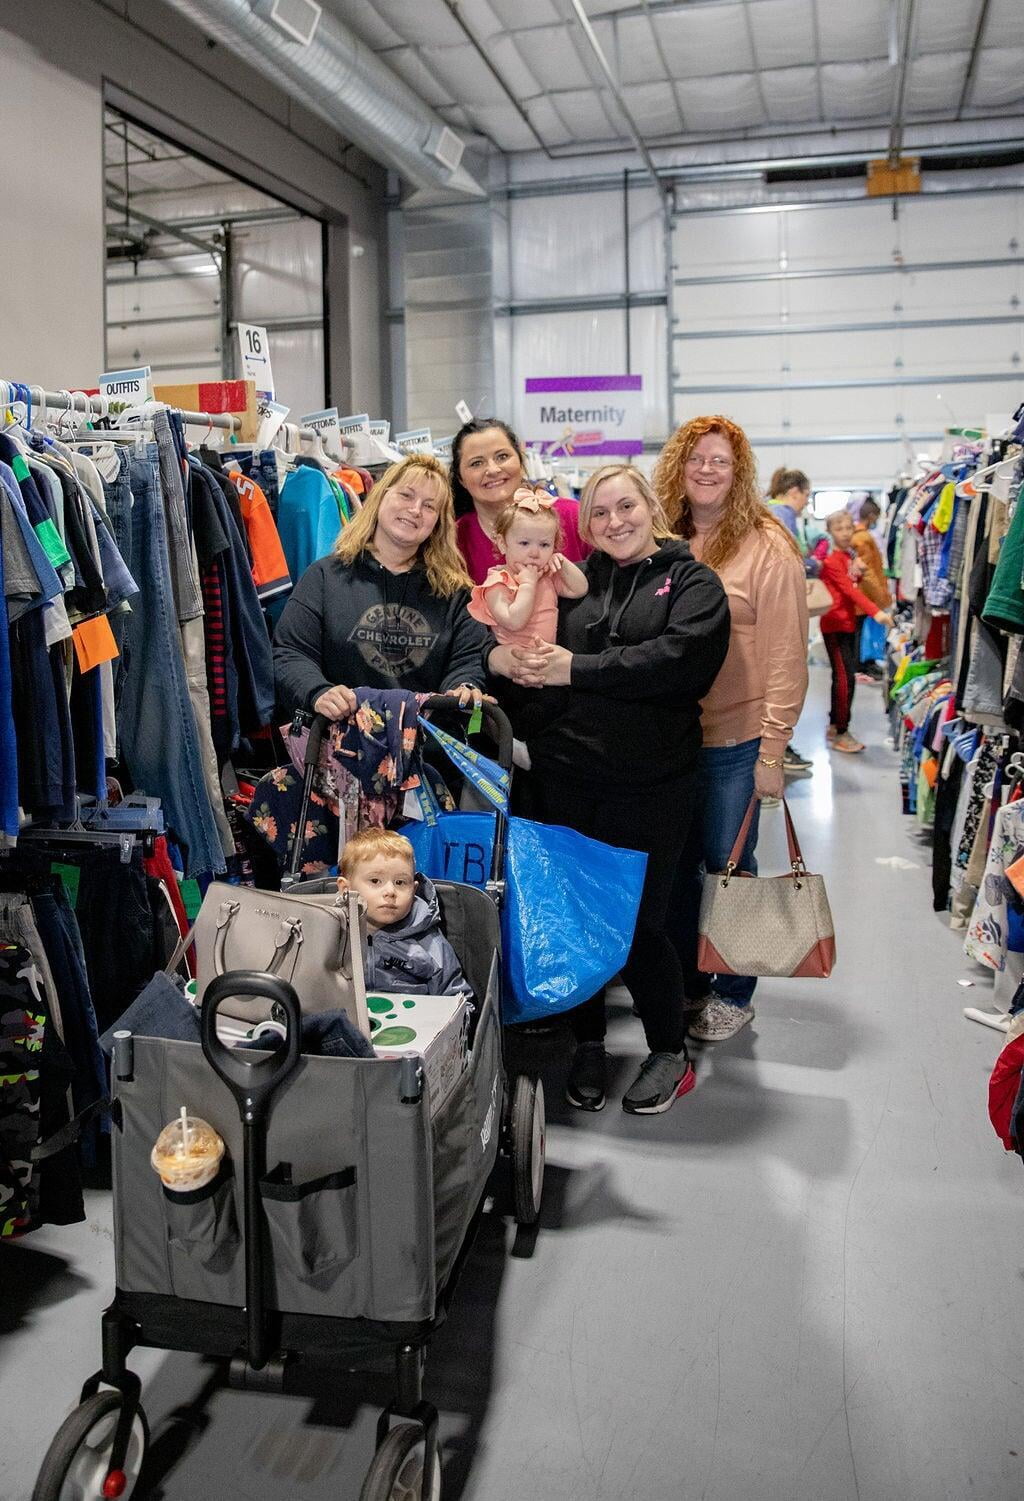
[(896, 129), (972, 65), (613, 84), (134, 215)]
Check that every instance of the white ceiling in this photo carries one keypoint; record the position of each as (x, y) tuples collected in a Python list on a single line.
[(692, 69)]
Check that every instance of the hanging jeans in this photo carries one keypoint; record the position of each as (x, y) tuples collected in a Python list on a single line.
[(725, 788), (157, 727)]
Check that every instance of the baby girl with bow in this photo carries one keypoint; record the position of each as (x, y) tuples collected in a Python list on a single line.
[(519, 601)]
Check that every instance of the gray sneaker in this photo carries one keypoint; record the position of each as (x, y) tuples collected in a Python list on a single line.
[(663, 1077)]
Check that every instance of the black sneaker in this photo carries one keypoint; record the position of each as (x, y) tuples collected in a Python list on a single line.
[(588, 1077), (663, 1077), (795, 764)]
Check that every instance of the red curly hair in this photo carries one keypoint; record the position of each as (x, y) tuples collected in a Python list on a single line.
[(745, 509)]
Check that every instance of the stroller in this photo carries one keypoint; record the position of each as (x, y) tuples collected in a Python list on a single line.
[(261, 1268)]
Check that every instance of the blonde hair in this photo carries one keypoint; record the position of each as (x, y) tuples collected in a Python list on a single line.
[(371, 842), (745, 510), (661, 528), (439, 554), (508, 514)]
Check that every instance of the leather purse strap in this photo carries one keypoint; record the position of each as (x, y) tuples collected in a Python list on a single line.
[(796, 858)]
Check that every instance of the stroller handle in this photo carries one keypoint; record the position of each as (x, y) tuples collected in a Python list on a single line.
[(252, 1084), (494, 719)]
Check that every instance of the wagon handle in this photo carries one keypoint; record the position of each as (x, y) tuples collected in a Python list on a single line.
[(252, 1083)]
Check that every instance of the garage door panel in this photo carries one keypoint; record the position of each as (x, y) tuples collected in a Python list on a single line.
[(855, 234), (755, 411), (842, 298), (728, 242), (738, 359), (736, 305)]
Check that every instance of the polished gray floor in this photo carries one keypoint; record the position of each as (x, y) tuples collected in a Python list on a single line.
[(805, 1283)]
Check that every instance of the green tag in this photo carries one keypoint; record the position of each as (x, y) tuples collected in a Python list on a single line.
[(21, 469), (476, 721), (53, 547)]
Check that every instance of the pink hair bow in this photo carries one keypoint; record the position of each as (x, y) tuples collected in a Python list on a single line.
[(533, 500)]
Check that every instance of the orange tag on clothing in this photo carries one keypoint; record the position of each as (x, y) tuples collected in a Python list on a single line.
[(94, 643)]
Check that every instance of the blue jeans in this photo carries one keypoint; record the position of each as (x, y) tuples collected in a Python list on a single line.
[(726, 785), (156, 723)]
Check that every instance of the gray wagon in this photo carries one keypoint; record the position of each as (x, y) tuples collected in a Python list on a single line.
[(328, 1160)]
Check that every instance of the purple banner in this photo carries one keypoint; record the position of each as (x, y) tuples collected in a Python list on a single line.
[(621, 446), (585, 383)]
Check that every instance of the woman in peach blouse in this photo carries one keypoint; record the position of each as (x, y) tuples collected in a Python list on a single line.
[(706, 479)]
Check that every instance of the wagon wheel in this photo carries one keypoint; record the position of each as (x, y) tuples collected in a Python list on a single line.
[(527, 1134), (76, 1465), (397, 1470)]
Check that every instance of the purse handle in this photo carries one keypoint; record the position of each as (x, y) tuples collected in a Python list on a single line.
[(796, 859)]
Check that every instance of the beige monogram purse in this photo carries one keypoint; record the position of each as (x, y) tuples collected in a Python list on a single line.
[(777, 926)]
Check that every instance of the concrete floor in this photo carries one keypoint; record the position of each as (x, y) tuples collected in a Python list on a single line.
[(804, 1283)]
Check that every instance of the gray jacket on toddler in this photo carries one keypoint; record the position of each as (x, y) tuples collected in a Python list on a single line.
[(413, 957)]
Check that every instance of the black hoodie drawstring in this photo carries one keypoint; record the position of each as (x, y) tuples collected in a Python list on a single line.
[(613, 625)]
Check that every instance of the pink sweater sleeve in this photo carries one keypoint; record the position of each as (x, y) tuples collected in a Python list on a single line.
[(781, 605)]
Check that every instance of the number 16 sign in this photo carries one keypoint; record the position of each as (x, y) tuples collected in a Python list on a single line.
[(255, 350)]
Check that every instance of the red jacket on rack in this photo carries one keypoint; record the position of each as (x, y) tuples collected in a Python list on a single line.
[(847, 599)]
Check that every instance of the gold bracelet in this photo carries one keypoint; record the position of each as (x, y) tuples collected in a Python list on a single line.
[(769, 761)]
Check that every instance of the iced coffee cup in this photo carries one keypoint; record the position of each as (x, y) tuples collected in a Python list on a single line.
[(187, 1154)]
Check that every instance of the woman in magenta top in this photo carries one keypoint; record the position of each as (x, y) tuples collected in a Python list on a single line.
[(487, 466)]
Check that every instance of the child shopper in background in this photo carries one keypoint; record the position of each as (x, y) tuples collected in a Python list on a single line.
[(839, 570), (406, 951)]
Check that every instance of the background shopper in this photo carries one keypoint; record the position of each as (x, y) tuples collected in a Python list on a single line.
[(839, 570)]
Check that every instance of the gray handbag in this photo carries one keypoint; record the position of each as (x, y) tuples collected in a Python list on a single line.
[(313, 940)]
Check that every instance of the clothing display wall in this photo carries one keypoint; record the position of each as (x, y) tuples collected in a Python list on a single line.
[(955, 542)]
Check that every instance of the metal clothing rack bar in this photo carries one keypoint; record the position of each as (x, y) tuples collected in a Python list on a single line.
[(101, 406)]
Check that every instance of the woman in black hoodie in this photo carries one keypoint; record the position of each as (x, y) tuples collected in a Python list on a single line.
[(614, 743), (387, 609)]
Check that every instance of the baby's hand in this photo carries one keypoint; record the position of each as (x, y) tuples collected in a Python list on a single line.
[(529, 573), (554, 565)]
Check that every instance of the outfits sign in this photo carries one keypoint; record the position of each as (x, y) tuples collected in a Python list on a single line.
[(584, 414)]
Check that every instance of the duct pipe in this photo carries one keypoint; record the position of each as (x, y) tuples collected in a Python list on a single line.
[(345, 83)]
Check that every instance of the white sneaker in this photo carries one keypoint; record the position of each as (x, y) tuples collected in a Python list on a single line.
[(719, 1021)]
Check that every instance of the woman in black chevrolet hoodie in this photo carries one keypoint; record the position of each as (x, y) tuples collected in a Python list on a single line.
[(614, 741), (387, 609)]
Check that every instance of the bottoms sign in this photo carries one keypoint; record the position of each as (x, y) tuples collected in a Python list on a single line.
[(584, 415)]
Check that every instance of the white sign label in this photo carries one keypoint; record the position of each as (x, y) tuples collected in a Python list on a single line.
[(443, 447), (584, 414), (358, 424), (271, 415), (416, 440), (133, 386), (463, 412), (381, 430), (254, 346), (325, 423)]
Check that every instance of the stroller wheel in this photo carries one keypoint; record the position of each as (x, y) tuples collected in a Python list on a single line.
[(76, 1466), (527, 1145), (397, 1470)]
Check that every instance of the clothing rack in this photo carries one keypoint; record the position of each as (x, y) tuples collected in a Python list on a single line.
[(101, 406)]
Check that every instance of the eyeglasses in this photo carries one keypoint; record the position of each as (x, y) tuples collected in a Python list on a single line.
[(697, 461)]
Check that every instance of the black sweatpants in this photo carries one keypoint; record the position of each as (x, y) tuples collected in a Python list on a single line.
[(842, 654), (657, 821)]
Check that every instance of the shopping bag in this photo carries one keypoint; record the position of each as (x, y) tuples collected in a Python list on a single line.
[(872, 641), (569, 911)]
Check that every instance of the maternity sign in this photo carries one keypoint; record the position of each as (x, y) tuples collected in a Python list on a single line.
[(583, 415)]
